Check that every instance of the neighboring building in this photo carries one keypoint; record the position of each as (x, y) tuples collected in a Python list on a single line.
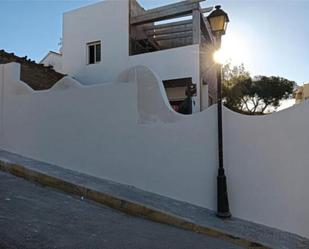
[(102, 40), (37, 76), (302, 93), (54, 60)]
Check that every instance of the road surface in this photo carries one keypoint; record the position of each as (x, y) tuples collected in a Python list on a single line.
[(35, 217)]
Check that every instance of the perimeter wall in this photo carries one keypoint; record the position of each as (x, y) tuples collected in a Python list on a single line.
[(126, 131)]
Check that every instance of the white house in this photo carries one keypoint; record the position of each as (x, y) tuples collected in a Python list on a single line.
[(102, 40), (53, 59)]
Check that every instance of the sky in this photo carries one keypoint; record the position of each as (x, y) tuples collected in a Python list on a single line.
[(270, 37)]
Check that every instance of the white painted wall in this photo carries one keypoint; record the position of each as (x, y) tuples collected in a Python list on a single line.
[(173, 63), (267, 164), (106, 21), (54, 60), (126, 131), (208, 76)]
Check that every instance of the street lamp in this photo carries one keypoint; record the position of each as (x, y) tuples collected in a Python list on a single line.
[(218, 21)]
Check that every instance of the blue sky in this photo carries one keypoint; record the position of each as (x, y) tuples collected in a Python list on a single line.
[(270, 37)]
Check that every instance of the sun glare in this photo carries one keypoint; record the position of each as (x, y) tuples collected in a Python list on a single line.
[(219, 57), (234, 49)]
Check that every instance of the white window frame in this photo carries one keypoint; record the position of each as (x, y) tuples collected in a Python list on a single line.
[(95, 51)]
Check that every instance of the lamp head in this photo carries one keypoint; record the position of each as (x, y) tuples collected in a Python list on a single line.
[(218, 20)]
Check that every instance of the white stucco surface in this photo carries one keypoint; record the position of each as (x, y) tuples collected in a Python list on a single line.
[(54, 60), (174, 63), (126, 131), (107, 22), (267, 160)]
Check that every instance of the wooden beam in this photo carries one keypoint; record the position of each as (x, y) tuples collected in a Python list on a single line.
[(153, 42), (166, 31), (169, 25), (196, 27), (174, 36), (175, 43), (166, 12), (206, 10), (136, 8), (205, 27)]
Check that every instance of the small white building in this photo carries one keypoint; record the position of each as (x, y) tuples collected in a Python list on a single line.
[(102, 40), (53, 59), (302, 94)]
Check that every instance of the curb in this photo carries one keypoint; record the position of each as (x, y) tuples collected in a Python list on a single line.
[(123, 205)]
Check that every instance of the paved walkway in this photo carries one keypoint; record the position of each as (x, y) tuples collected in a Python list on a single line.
[(34, 217)]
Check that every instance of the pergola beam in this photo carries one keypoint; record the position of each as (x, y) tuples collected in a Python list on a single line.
[(174, 43), (174, 36), (169, 25), (153, 42), (205, 27), (166, 12), (196, 27), (166, 31), (206, 10)]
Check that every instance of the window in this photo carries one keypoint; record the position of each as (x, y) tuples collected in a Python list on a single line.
[(94, 52)]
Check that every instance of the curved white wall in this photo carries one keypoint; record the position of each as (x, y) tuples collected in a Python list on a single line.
[(267, 160), (182, 62), (125, 131)]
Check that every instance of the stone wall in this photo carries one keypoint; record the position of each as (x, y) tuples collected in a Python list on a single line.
[(37, 76)]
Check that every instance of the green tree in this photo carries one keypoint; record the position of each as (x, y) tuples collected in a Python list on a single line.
[(253, 96)]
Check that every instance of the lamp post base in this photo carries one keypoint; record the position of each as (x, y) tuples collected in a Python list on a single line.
[(223, 203), (224, 215)]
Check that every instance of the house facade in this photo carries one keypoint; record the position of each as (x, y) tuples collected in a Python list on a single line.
[(102, 40), (302, 94), (53, 59)]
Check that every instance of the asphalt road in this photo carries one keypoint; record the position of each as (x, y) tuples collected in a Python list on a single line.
[(34, 217)]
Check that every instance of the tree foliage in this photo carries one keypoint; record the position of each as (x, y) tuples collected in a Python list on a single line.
[(256, 95)]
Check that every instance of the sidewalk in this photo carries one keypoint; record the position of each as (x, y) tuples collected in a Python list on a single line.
[(152, 206)]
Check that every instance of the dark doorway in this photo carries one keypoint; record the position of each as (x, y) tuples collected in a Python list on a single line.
[(180, 92)]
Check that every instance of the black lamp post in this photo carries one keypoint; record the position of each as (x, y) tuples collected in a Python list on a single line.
[(218, 21)]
